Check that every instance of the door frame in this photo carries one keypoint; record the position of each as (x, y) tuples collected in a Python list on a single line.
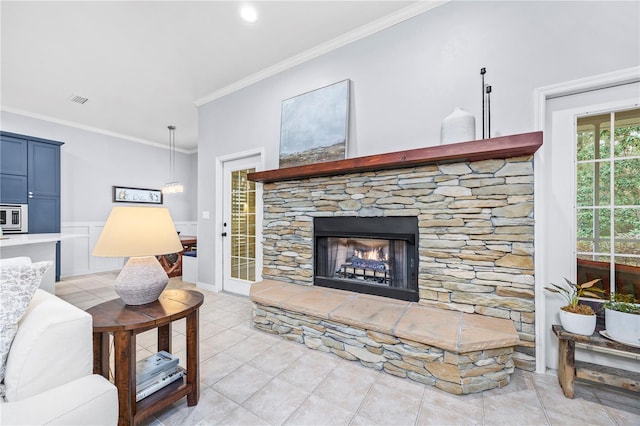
[(541, 95), (219, 213)]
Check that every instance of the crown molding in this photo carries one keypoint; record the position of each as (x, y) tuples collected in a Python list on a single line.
[(90, 128), (378, 25)]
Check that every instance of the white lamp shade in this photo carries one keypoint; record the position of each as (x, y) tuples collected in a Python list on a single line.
[(138, 231)]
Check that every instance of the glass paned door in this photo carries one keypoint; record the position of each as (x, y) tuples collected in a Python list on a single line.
[(243, 226), (242, 215), (608, 200)]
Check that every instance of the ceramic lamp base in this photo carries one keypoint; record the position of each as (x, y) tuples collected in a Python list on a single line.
[(141, 281)]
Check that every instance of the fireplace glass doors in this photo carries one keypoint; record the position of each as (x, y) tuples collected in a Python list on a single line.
[(367, 255)]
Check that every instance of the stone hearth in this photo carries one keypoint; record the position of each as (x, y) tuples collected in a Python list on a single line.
[(453, 351)]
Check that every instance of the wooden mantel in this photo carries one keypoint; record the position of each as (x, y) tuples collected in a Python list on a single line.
[(486, 149)]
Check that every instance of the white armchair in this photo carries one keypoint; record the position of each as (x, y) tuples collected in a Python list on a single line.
[(48, 377)]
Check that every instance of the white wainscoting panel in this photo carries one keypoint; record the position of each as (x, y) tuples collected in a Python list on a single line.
[(75, 253)]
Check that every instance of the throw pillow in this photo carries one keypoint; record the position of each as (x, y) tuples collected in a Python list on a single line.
[(18, 283)]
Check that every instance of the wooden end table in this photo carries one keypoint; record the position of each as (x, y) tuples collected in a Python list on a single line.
[(125, 322), (569, 369)]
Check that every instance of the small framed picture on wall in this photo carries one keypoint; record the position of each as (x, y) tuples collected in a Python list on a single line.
[(125, 194)]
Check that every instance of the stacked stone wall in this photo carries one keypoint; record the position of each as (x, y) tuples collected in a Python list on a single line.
[(476, 232), (455, 373)]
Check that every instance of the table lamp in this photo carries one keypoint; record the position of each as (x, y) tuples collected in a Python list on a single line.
[(141, 234)]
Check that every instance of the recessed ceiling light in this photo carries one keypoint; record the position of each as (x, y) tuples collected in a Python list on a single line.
[(249, 13)]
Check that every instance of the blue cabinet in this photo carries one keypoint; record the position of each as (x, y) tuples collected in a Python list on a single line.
[(43, 187), (13, 189), (13, 170), (30, 174), (13, 155)]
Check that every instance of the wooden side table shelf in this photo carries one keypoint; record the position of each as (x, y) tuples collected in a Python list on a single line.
[(125, 322), (568, 369)]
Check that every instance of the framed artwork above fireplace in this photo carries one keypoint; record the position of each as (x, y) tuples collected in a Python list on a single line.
[(314, 126)]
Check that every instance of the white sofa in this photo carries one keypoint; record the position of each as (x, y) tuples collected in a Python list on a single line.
[(48, 378)]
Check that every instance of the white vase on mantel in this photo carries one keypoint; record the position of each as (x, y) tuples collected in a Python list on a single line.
[(459, 126)]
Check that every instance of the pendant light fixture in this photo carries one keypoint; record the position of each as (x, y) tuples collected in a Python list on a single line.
[(173, 186)]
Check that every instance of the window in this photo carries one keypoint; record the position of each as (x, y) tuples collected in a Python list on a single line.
[(608, 200)]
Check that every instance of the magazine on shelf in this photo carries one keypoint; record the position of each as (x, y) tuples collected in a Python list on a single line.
[(146, 383), (161, 383), (153, 365)]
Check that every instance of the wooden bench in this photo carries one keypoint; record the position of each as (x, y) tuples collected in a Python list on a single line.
[(569, 369)]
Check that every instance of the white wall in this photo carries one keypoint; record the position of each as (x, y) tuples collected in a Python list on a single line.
[(90, 164), (406, 79)]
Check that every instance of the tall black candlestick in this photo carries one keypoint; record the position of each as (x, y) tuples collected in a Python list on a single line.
[(483, 71), (489, 111)]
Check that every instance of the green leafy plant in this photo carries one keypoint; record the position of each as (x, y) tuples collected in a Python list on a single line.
[(572, 292), (623, 303)]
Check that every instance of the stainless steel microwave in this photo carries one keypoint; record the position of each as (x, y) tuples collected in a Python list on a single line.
[(14, 218)]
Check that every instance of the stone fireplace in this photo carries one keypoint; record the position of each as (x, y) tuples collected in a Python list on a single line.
[(473, 207), (371, 255)]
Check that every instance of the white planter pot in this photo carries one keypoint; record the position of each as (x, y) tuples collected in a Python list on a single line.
[(622, 326), (578, 324)]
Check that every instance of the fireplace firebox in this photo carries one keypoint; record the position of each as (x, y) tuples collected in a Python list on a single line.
[(372, 255)]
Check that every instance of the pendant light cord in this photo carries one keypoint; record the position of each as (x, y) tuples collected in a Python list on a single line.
[(172, 151)]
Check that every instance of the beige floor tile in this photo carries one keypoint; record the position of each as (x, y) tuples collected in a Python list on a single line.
[(309, 370), (617, 399), (278, 357), (229, 320), (441, 408), (148, 339), (105, 293), (276, 401), (79, 297), (502, 409), (249, 377), (211, 407), (346, 385), (241, 383), (247, 349), (318, 412), (240, 416), (217, 367), (218, 343), (579, 411), (248, 330), (624, 417), (388, 402), (210, 328)]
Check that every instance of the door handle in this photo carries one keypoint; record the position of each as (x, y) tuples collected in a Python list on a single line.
[(224, 234)]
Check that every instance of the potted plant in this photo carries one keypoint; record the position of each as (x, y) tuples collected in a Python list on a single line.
[(574, 317), (622, 319)]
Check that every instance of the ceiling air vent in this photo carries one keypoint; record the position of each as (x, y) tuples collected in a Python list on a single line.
[(78, 99)]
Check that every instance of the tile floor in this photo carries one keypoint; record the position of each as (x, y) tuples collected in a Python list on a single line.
[(249, 377)]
